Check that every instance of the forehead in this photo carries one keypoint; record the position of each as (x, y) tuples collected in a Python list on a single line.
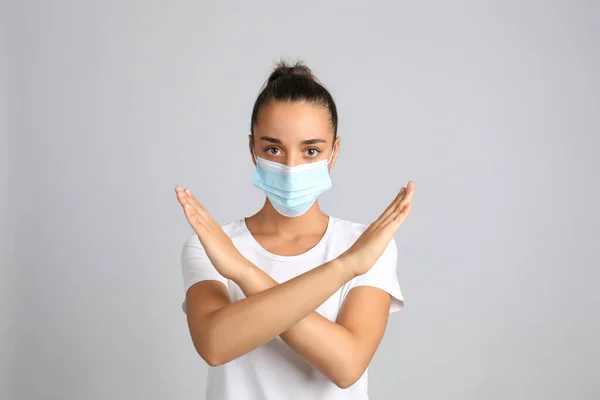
[(294, 121)]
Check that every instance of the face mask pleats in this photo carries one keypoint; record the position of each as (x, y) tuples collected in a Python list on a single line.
[(292, 190)]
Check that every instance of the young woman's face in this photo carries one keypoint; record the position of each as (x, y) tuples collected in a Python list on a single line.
[(294, 133)]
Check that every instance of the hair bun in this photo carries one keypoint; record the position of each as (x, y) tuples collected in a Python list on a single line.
[(294, 82), (283, 69)]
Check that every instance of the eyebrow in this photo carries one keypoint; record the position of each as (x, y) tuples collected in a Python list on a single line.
[(309, 141)]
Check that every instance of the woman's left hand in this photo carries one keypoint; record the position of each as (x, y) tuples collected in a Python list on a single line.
[(219, 248)]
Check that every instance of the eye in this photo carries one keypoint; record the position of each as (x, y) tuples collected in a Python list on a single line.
[(272, 151), (312, 152)]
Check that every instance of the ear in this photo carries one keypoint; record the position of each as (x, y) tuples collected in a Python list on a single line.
[(251, 148), (336, 152)]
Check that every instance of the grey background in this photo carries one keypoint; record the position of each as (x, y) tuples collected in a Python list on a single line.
[(492, 108)]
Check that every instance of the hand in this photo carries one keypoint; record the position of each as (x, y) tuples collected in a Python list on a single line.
[(219, 248), (367, 249)]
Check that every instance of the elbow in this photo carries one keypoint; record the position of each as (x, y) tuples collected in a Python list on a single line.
[(208, 349), (348, 376), (345, 382), (211, 360), (210, 356)]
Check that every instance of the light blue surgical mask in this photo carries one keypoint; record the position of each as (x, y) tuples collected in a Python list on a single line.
[(292, 190)]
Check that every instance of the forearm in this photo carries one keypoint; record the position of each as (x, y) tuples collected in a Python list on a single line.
[(324, 344), (244, 325)]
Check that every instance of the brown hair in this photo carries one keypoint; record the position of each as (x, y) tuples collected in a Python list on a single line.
[(292, 83)]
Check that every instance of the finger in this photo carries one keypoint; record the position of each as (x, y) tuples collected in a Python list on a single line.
[(188, 198), (178, 190), (392, 206), (393, 203), (395, 219), (407, 198), (195, 203), (180, 196), (200, 211), (194, 219), (410, 190), (183, 199), (188, 209), (393, 214), (400, 217)]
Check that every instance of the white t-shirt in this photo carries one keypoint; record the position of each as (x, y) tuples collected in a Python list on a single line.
[(274, 371)]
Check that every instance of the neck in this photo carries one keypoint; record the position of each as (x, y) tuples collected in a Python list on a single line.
[(269, 220)]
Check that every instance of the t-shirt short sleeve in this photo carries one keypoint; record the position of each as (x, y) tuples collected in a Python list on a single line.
[(383, 276), (196, 266)]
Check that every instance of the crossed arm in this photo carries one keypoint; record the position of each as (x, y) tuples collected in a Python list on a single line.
[(222, 331)]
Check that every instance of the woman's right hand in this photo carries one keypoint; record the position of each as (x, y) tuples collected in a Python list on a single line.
[(219, 248), (367, 249)]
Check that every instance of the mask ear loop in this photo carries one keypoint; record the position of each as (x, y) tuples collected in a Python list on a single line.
[(331, 156), (254, 152)]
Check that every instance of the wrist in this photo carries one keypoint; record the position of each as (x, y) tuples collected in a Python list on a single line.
[(245, 272), (343, 263)]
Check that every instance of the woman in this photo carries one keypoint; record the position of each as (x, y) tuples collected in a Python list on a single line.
[(290, 303)]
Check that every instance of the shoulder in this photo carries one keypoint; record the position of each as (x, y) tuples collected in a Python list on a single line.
[(232, 228), (344, 233), (349, 228), (348, 232), (344, 230)]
